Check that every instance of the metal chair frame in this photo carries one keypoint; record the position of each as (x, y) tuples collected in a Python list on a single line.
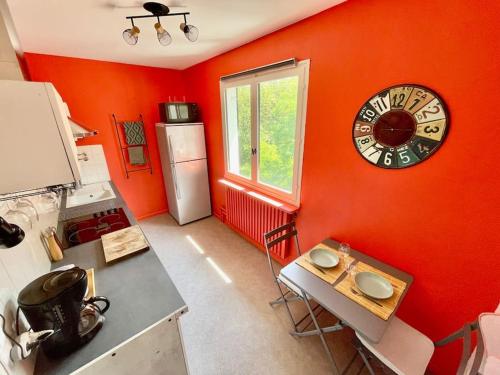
[(271, 239)]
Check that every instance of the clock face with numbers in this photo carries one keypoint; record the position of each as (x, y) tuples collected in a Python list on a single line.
[(400, 126)]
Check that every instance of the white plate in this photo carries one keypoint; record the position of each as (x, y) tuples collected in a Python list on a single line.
[(373, 285), (324, 258)]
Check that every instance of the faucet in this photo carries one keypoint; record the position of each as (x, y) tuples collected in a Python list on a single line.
[(82, 156), (75, 186)]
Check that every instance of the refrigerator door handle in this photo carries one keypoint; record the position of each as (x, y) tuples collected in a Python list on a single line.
[(171, 154), (176, 188)]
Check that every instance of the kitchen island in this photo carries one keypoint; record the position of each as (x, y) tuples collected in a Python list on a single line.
[(141, 331)]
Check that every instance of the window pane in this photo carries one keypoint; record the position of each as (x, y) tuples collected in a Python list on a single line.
[(239, 134), (277, 120)]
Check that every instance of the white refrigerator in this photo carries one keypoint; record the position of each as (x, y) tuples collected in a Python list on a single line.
[(184, 163)]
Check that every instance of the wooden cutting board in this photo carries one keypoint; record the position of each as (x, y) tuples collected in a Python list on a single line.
[(123, 242)]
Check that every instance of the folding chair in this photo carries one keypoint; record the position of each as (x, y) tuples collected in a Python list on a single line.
[(406, 351), (293, 293), (402, 349), (489, 326)]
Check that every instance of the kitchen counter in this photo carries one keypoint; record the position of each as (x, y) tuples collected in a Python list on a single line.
[(139, 288)]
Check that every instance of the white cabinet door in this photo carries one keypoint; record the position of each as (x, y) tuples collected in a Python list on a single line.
[(186, 142), (158, 350), (60, 110), (33, 151), (191, 189)]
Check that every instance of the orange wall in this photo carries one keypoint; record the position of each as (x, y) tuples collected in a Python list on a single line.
[(437, 220), (94, 90)]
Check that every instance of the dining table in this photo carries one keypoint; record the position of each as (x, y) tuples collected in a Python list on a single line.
[(349, 312)]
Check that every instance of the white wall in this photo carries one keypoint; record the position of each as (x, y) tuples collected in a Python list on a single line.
[(20, 265), (93, 165), (29, 259)]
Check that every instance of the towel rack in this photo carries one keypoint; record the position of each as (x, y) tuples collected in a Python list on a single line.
[(124, 146)]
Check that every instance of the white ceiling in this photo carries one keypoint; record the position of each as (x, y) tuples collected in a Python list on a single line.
[(93, 28)]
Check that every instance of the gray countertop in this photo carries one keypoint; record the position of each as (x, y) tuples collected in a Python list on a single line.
[(139, 288)]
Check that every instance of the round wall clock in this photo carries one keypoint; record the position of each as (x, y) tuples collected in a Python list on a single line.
[(400, 126)]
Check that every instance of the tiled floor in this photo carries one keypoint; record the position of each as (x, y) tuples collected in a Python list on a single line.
[(230, 328)]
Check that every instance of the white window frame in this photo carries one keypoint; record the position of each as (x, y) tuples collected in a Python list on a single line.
[(302, 71)]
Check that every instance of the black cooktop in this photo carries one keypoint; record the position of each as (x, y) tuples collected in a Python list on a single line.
[(91, 227)]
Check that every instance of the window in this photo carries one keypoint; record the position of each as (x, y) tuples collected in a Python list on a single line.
[(264, 120)]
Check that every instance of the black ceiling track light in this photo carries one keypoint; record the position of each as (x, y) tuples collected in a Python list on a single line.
[(157, 10)]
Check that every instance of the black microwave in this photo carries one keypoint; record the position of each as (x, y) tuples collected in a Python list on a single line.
[(178, 112)]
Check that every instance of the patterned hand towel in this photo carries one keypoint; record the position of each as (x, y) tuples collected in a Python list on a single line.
[(134, 132), (136, 155)]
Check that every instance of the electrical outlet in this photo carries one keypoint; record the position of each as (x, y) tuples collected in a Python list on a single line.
[(8, 308)]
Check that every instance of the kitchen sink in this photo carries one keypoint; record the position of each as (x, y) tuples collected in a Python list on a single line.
[(90, 194)]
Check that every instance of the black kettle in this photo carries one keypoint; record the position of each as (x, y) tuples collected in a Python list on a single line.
[(54, 302)]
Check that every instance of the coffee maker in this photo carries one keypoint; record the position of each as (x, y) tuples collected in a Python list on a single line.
[(55, 301)]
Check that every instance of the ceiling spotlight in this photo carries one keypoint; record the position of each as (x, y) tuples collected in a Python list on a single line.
[(191, 32), (163, 36), (131, 36), (157, 10)]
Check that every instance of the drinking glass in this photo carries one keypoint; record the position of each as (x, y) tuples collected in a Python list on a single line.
[(3, 208), (48, 202), (20, 211), (20, 218), (26, 205), (351, 270), (345, 250)]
